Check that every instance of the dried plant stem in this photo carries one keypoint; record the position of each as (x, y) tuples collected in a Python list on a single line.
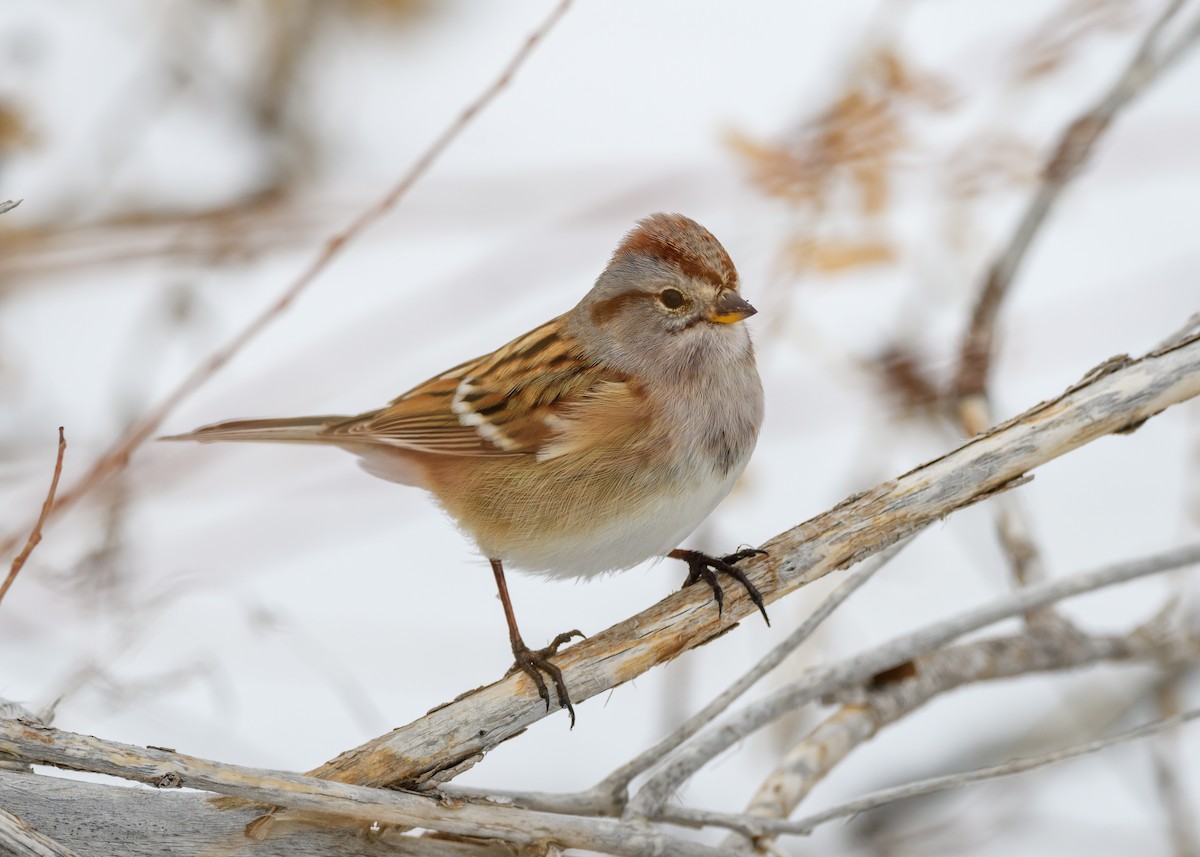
[(35, 535), (118, 454), (9, 205)]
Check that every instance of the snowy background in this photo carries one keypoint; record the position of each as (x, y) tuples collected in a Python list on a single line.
[(180, 163)]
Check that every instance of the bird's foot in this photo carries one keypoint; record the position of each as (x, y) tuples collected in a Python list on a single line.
[(701, 566), (535, 662)]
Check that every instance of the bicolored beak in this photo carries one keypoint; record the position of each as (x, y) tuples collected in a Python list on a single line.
[(730, 307)]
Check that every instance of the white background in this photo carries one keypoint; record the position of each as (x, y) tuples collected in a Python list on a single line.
[(275, 606)]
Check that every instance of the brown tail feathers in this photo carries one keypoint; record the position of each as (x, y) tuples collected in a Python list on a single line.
[(285, 430)]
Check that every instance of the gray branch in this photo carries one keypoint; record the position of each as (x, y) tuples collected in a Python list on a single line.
[(163, 769), (1041, 648), (821, 681), (751, 826)]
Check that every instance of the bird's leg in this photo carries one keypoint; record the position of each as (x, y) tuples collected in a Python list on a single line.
[(534, 662), (701, 566)]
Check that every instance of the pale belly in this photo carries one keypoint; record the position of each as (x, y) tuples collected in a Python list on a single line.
[(650, 529)]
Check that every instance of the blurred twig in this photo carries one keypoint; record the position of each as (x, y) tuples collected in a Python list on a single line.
[(35, 534), (118, 454), (882, 702), (751, 826), (9, 205), (218, 234), (1180, 812), (1075, 145)]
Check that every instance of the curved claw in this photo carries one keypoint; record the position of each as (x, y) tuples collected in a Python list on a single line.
[(535, 662), (701, 566)]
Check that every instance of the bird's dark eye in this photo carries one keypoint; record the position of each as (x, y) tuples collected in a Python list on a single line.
[(671, 298)]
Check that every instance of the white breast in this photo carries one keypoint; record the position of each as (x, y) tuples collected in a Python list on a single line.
[(652, 528)]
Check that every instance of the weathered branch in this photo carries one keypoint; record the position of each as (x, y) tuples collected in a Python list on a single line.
[(9, 205), (860, 718), (821, 681), (1114, 397), (29, 742), (609, 796), (23, 840), (108, 820), (751, 826)]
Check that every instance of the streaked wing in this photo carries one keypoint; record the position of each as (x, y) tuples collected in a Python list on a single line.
[(514, 401)]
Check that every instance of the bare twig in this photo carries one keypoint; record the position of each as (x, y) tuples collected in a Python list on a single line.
[(35, 535), (821, 681), (752, 827), (871, 709), (118, 454), (44, 745), (1113, 397), (1180, 814), (9, 205), (1075, 145), (1179, 810), (977, 351), (21, 840)]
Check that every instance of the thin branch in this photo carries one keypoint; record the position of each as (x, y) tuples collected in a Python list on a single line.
[(1179, 810), (1120, 394), (118, 454), (871, 709), (43, 745), (9, 205), (35, 535), (818, 682), (1075, 145), (750, 826), (21, 840)]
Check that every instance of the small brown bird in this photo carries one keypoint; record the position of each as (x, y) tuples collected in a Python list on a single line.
[(591, 443)]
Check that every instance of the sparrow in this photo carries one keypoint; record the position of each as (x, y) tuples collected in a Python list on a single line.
[(591, 443)]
